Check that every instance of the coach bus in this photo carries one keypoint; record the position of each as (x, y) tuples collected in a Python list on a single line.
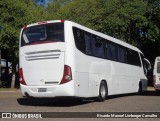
[(62, 58)]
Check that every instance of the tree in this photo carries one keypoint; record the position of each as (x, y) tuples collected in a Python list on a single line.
[(122, 19), (133, 21), (14, 15), (151, 46)]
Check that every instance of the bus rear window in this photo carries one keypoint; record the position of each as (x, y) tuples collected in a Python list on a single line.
[(53, 32)]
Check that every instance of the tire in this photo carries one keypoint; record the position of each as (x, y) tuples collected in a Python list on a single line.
[(103, 92), (140, 90)]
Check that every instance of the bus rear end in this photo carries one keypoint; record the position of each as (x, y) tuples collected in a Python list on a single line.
[(43, 71)]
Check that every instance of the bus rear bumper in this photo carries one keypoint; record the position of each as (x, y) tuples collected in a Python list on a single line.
[(66, 89)]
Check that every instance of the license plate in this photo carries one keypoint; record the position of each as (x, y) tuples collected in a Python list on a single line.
[(42, 89)]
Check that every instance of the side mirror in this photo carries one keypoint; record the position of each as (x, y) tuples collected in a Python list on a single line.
[(148, 64)]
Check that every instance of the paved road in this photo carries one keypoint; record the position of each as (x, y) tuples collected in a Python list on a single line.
[(14, 102)]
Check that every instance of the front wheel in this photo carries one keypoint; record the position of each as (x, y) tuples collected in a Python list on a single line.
[(103, 92)]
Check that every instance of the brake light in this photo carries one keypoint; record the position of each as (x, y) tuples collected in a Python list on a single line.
[(22, 81), (62, 21), (25, 27), (67, 74)]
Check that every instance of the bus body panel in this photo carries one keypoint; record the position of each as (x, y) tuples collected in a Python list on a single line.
[(51, 91), (156, 73), (121, 78), (35, 60)]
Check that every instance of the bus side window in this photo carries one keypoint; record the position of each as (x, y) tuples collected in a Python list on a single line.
[(133, 58), (121, 57), (98, 46), (88, 43), (110, 50), (79, 39)]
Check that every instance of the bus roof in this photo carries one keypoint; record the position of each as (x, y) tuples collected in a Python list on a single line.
[(112, 39)]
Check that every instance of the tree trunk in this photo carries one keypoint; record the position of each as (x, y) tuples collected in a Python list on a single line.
[(13, 75), (13, 80)]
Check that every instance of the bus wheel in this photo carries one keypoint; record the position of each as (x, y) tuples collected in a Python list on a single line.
[(140, 91), (103, 92)]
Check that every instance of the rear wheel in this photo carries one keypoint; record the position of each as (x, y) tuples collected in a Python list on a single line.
[(103, 92)]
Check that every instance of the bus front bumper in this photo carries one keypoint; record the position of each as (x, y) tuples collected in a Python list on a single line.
[(66, 89)]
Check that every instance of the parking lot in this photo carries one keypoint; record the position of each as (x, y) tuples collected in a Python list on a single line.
[(12, 101)]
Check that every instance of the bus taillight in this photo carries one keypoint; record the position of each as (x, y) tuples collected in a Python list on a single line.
[(25, 27), (62, 21), (67, 75), (22, 81)]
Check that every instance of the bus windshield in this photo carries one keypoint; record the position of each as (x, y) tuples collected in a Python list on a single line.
[(53, 32)]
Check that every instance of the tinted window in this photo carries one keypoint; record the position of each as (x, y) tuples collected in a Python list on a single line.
[(88, 43), (43, 33), (110, 51), (121, 54), (98, 46), (133, 57), (79, 39), (158, 67)]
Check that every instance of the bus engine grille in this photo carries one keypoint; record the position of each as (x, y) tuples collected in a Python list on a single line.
[(42, 55)]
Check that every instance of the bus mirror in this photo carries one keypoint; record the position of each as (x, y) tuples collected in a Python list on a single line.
[(148, 64)]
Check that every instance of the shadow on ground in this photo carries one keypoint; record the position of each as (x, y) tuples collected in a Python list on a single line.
[(69, 102), (54, 102)]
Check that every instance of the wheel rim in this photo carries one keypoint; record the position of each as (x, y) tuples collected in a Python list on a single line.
[(103, 91)]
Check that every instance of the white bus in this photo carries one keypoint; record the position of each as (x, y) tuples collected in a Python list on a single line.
[(62, 58), (156, 75)]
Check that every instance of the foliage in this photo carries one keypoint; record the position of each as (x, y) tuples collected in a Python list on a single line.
[(133, 21), (14, 15), (119, 18)]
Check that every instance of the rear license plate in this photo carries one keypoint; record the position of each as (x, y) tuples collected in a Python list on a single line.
[(42, 89)]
